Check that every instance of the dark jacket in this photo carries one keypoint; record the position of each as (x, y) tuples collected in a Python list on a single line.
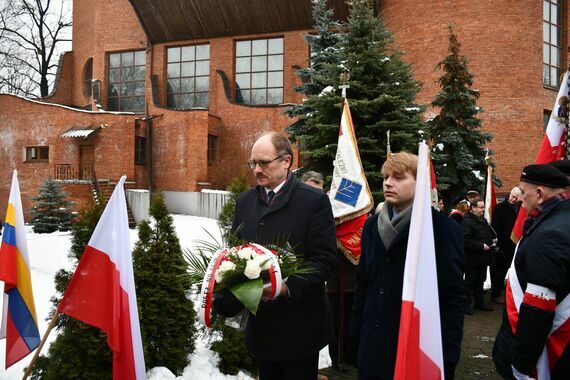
[(504, 217), (378, 296), (476, 232), (298, 326), (543, 258)]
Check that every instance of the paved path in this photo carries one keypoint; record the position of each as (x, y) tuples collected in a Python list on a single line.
[(480, 330)]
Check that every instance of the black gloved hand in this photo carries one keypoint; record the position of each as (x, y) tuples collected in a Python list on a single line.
[(226, 304)]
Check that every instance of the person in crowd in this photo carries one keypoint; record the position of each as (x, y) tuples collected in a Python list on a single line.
[(460, 209), (287, 333), (563, 166), (378, 296), (533, 338), (472, 194), (440, 204), (480, 242), (504, 217), (348, 272), (313, 179)]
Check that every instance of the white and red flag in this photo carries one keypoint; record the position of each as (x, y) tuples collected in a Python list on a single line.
[(552, 147), (490, 196), (350, 195), (101, 292), (420, 352)]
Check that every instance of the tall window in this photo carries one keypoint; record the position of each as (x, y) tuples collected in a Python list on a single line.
[(140, 150), (212, 149), (37, 154), (126, 81), (188, 76), (259, 71), (551, 47)]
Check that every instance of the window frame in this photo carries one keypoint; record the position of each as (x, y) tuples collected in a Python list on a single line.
[(212, 149), (133, 82), (140, 150), (39, 156), (245, 95), (548, 26), (192, 79)]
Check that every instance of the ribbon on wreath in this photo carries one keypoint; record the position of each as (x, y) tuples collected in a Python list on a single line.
[(209, 281)]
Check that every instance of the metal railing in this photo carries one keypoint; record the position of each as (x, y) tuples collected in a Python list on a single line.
[(73, 172)]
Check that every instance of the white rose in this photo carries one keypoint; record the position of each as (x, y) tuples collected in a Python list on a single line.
[(263, 261), (252, 269), (246, 253), (224, 267)]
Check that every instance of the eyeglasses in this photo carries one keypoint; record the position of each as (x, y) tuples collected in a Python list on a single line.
[(262, 163)]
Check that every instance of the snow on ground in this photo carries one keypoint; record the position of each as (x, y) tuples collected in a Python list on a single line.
[(48, 254)]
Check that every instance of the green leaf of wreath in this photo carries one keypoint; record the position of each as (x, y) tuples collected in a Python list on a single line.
[(249, 293)]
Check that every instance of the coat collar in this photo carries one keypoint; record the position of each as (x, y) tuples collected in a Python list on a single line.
[(281, 198)]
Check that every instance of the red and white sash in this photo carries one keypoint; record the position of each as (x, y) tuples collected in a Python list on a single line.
[(559, 334)]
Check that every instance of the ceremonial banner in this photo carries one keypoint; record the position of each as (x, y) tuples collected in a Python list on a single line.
[(552, 145), (490, 197), (19, 321), (101, 292), (420, 352), (350, 195), (433, 185)]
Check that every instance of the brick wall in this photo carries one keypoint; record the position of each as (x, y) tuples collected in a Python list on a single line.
[(503, 41)]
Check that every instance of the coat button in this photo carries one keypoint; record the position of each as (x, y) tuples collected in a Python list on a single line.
[(387, 260), (381, 291), (376, 325), (261, 222)]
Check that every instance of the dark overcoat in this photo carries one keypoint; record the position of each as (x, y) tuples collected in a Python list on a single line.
[(300, 325), (378, 297), (476, 232), (542, 258)]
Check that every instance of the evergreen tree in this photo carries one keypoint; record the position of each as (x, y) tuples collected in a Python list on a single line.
[(236, 187), (166, 316), (51, 212), (459, 153), (381, 97), (80, 351)]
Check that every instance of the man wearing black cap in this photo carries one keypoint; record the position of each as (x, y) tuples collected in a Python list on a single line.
[(533, 340), (563, 166)]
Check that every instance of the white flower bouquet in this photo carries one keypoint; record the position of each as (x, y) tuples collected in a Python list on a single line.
[(244, 270)]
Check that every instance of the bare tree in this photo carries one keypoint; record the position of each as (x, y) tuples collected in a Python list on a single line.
[(31, 34)]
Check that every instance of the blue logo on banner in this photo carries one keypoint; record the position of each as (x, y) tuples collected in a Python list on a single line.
[(348, 192)]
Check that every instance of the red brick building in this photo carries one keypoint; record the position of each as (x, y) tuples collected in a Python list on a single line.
[(173, 93)]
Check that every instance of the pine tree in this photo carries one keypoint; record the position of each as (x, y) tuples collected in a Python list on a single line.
[(459, 153), (80, 351), (167, 316), (381, 96), (51, 212)]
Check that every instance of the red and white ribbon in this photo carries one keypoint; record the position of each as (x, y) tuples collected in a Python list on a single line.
[(209, 281), (207, 290)]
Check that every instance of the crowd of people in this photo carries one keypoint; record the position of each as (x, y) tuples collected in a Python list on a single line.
[(287, 333)]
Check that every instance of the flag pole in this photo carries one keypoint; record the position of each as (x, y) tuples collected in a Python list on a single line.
[(37, 353), (344, 78)]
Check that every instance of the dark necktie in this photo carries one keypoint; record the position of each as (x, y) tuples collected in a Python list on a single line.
[(270, 196)]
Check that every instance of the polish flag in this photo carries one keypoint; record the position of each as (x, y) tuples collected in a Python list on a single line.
[(420, 352), (102, 290), (551, 149)]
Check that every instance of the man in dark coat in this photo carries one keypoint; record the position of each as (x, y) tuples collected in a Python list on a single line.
[(504, 217), (533, 338), (287, 333), (378, 297), (479, 245)]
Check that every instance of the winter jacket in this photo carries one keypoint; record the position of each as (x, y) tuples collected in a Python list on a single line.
[(476, 232), (378, 297)]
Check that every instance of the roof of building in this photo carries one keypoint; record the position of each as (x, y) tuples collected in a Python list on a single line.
[(175, 20)]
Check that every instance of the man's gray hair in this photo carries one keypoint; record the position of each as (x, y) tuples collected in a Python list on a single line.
[(312, 176)]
